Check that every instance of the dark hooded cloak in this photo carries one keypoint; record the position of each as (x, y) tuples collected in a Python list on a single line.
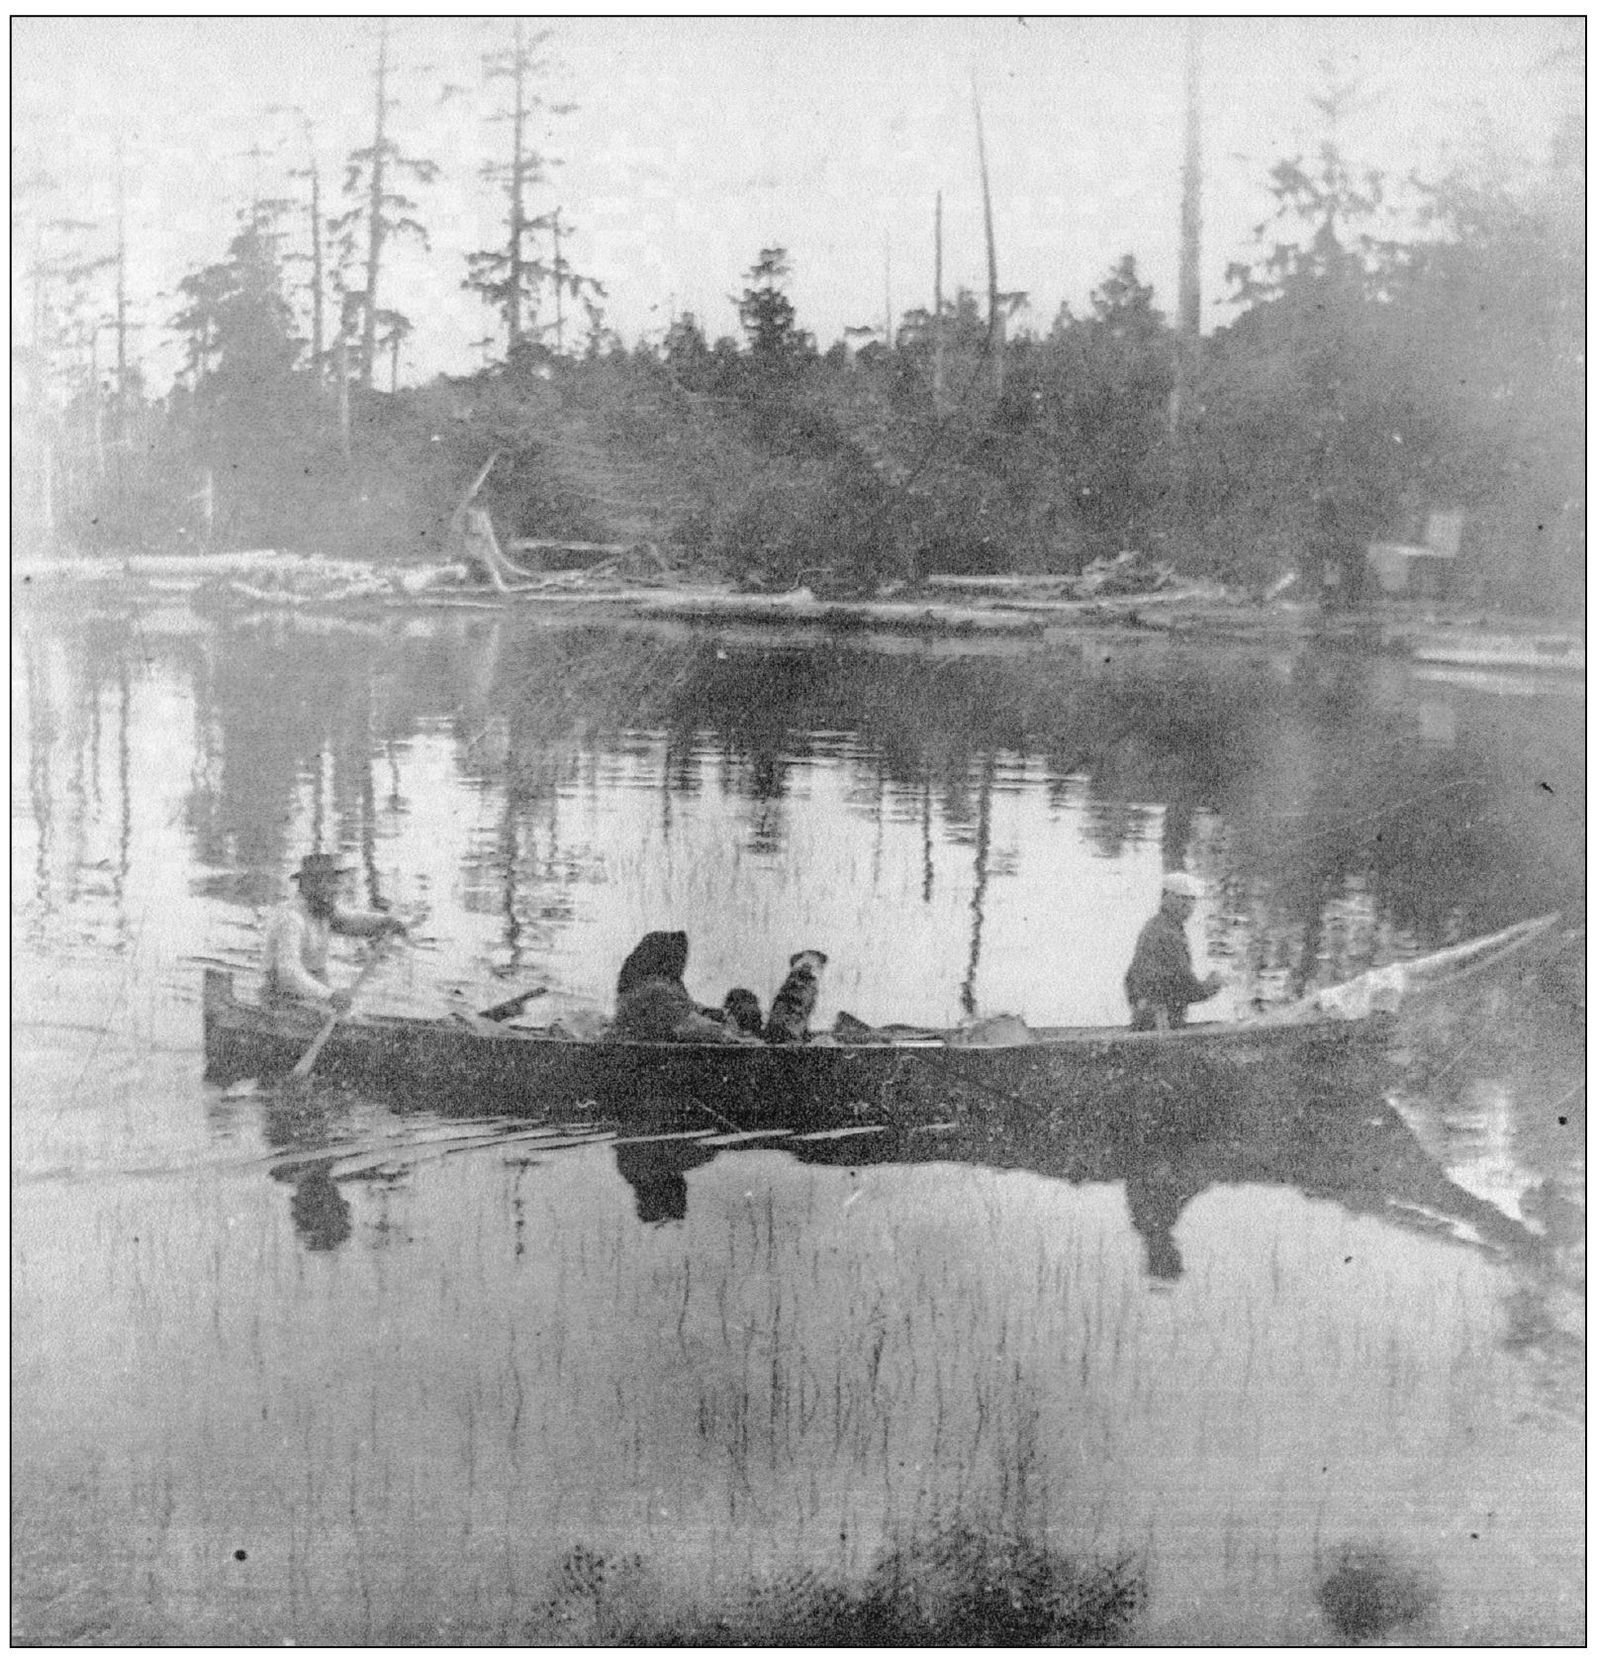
[(658, 956)]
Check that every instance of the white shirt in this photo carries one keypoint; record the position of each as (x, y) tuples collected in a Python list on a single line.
[(294, 953)]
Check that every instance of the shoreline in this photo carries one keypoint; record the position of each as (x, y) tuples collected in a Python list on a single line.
[(1016, 608)]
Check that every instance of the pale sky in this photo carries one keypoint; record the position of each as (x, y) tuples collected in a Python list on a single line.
[(696, 141)]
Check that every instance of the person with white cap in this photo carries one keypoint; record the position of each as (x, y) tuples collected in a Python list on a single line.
[(294, 954), (1160, 983)]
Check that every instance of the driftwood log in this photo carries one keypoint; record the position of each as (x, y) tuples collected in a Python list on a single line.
[(541, 544)]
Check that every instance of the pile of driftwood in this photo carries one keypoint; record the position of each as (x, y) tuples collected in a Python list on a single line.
[(597, 566), (604, 564), (1127, 573), (312, 580)]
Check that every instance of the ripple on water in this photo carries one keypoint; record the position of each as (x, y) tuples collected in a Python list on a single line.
[(317, 1369)]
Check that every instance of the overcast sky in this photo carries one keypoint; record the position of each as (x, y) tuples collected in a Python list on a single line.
[(698, 141)]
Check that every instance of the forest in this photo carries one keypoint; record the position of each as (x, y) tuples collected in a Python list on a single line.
[(1361, 384)]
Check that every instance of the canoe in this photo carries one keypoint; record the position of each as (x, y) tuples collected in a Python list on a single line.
[(914, 1074), (891, 1075)]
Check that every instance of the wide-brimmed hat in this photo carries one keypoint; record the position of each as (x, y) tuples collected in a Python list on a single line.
[(1179, 882), (320, 867)]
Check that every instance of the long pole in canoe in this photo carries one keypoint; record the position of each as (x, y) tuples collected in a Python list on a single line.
[(302, 1067)]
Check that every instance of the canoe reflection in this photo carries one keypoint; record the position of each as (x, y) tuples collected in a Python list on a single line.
[(1351, 1149), (1357, 1153)]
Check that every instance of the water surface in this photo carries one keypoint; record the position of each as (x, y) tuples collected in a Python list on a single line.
[(318, 1369)]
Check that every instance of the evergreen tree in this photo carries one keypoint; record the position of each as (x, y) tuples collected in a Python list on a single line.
[(512, 278), (236, 319), (767, 314), (316, 247), (1111, 385), (380, 210), (509, 278), (1312, 423), (565, 282), (246, 414), (686, 348), (57, 396), (1491, 323), (1326, 197), (394, 329)]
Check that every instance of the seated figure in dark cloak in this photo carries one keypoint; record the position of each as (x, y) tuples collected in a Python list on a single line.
[(653, 1004)]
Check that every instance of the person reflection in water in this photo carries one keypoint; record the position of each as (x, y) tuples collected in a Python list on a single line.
[(657, 1172), (321, 1213), (1161, 984), (294, 954), (1156, 1197)]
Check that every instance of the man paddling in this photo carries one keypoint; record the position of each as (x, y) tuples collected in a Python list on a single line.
[(1160, 983), (294, 955)]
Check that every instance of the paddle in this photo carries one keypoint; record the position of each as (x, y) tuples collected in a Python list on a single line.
[(302, 1068), (512, 1006)]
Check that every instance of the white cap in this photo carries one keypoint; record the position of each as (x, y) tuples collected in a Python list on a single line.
[(1179, 882)]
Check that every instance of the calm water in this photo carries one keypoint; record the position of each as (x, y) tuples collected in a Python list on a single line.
[(316, 1370)]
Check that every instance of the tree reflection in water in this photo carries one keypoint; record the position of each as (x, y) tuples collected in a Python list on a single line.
[(1300, 783), (426, 1355), (1320, 782), (1335, 823)]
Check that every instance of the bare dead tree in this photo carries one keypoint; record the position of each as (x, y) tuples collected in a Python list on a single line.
[(379, 207), (311, 172), (995, 314), (508, 277), (1188, 292), (937, 306)]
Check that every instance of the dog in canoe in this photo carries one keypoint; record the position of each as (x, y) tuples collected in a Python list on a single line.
[(789, 1019)]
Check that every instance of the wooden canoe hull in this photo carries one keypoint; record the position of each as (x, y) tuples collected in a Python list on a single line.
[(1087, 1070)]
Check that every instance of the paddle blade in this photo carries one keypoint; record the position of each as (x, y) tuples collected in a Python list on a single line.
[(512, 1006)]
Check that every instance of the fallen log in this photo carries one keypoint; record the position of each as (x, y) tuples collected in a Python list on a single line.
[(543, 544)]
